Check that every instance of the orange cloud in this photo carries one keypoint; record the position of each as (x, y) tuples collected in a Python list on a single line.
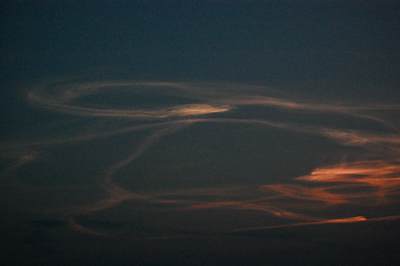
[(365, 182)]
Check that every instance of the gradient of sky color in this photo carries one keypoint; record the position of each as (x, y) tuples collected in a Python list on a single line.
[(200, 133)]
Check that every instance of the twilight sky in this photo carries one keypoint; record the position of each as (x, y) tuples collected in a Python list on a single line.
[(200, 133)]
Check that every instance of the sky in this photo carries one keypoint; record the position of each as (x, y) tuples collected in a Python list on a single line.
[(200, 133)]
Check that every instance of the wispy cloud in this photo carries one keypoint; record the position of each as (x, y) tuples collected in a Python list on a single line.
[(370, 178)]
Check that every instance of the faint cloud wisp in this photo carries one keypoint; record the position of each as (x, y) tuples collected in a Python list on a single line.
[(370, 178)]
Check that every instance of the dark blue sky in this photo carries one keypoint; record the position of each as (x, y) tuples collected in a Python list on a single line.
[(336, 45), (244, 132)]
